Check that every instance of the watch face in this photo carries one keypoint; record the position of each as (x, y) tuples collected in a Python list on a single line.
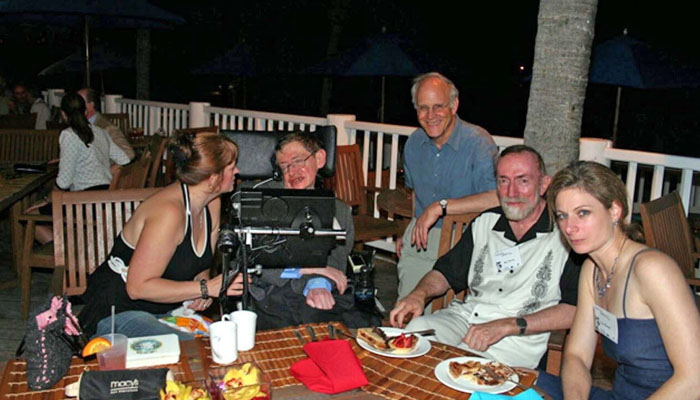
[(443, 203)]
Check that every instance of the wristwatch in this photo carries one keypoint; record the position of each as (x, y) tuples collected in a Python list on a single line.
[(522, 324), (443, 204)]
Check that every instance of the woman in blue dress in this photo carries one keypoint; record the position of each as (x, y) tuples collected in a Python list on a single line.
[(636, 297)]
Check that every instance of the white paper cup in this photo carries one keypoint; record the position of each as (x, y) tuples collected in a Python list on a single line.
[(245, 320), (222, 336)]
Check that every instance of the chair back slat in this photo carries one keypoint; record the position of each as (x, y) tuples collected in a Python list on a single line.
[(158, 147), (349, 178), (666, 228), (85, 227), (28, 145), (453, 226), (14, 121), (120, 120), (134, 175)]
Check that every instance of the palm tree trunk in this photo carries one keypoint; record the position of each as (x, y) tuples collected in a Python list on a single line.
[(143, 63), (559, 79)]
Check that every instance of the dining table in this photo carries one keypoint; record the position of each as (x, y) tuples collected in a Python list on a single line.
[(16, 189), (274, 352)]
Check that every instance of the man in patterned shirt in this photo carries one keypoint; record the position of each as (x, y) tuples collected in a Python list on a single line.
[(522, 279)]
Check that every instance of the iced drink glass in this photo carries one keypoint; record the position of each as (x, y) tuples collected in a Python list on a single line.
[(115, 356)]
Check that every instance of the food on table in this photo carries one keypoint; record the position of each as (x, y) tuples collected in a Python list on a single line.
[(243, 382), (403, 343), (179, 391), (475, 372), (95, 346), (376, 338)]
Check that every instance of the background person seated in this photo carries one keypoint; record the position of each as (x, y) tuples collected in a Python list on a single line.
[(92, 99), (85, 154)]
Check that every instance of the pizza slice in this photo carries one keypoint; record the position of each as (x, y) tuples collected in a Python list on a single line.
[(475, 372)]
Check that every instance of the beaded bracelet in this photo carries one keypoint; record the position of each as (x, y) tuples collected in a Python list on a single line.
[(203, 288)]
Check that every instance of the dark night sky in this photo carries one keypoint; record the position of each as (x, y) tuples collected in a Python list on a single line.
[(480, 48)]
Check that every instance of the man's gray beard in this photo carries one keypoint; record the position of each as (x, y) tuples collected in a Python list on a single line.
[(516, 213)]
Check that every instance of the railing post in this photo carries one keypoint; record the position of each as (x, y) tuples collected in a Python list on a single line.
[(198, 117), (593, 149), (339, 120), (110, 105), (54, 96)]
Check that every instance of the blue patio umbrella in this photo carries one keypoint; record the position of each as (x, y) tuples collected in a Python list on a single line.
[(627, 62), (87, 13), (238, 61), (380, 55), (101, 59)]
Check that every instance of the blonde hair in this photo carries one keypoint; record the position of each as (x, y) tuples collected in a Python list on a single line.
[(600, 182), (197, 157)]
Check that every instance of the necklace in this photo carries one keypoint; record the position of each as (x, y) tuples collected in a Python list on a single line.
[(603, 287)]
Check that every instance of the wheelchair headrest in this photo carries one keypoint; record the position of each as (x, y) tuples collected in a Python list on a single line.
[(256, 158)]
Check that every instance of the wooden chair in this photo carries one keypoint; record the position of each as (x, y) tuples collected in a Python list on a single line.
[(453, 226), (350, 188), (132, 176), (85, 225), (157, 147), (28, 145), (12, 121), (666, 228), (31, 256), (121, 120)]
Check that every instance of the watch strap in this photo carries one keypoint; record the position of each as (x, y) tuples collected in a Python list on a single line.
[(203, 288)]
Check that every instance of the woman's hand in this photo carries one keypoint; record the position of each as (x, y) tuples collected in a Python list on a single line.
[(234, 289), (200, 304)]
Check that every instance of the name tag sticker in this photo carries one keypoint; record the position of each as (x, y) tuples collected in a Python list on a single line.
[(605, 323), (507, 260)]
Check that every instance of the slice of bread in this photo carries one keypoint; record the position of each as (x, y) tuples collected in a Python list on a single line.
[(374, 337), (474, 372)]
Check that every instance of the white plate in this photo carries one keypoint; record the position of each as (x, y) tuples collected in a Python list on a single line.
[(422, 347), (442, 373)]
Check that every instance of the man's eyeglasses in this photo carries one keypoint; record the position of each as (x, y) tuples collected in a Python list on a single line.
[(436, 108), (299, 163)]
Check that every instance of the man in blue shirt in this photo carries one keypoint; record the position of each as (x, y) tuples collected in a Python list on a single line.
[(303, 295), (449, 164)]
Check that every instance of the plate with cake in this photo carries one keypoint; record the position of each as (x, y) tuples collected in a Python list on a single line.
[(468, 374), (392, 342)]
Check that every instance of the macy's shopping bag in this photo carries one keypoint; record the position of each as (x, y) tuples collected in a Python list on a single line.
[(123, 384)]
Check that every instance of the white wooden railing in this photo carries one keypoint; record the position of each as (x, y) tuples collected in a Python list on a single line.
[(647, 175)]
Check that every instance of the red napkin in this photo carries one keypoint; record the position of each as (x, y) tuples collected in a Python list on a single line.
[(332, 367)]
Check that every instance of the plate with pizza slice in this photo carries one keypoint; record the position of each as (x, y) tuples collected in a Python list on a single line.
[(392, 342), (467, 374)]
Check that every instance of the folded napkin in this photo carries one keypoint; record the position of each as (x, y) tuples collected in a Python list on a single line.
[(332, 367), (529, 394)]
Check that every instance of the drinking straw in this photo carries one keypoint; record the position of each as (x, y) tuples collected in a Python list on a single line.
[(112, 320)]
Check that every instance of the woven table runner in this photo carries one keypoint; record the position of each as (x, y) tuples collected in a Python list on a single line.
[(275, 351), (414, 378)]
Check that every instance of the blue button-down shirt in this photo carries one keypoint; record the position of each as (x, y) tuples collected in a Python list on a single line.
[(464, 166)]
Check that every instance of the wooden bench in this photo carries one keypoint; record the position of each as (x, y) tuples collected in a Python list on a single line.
[(28, 145)]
